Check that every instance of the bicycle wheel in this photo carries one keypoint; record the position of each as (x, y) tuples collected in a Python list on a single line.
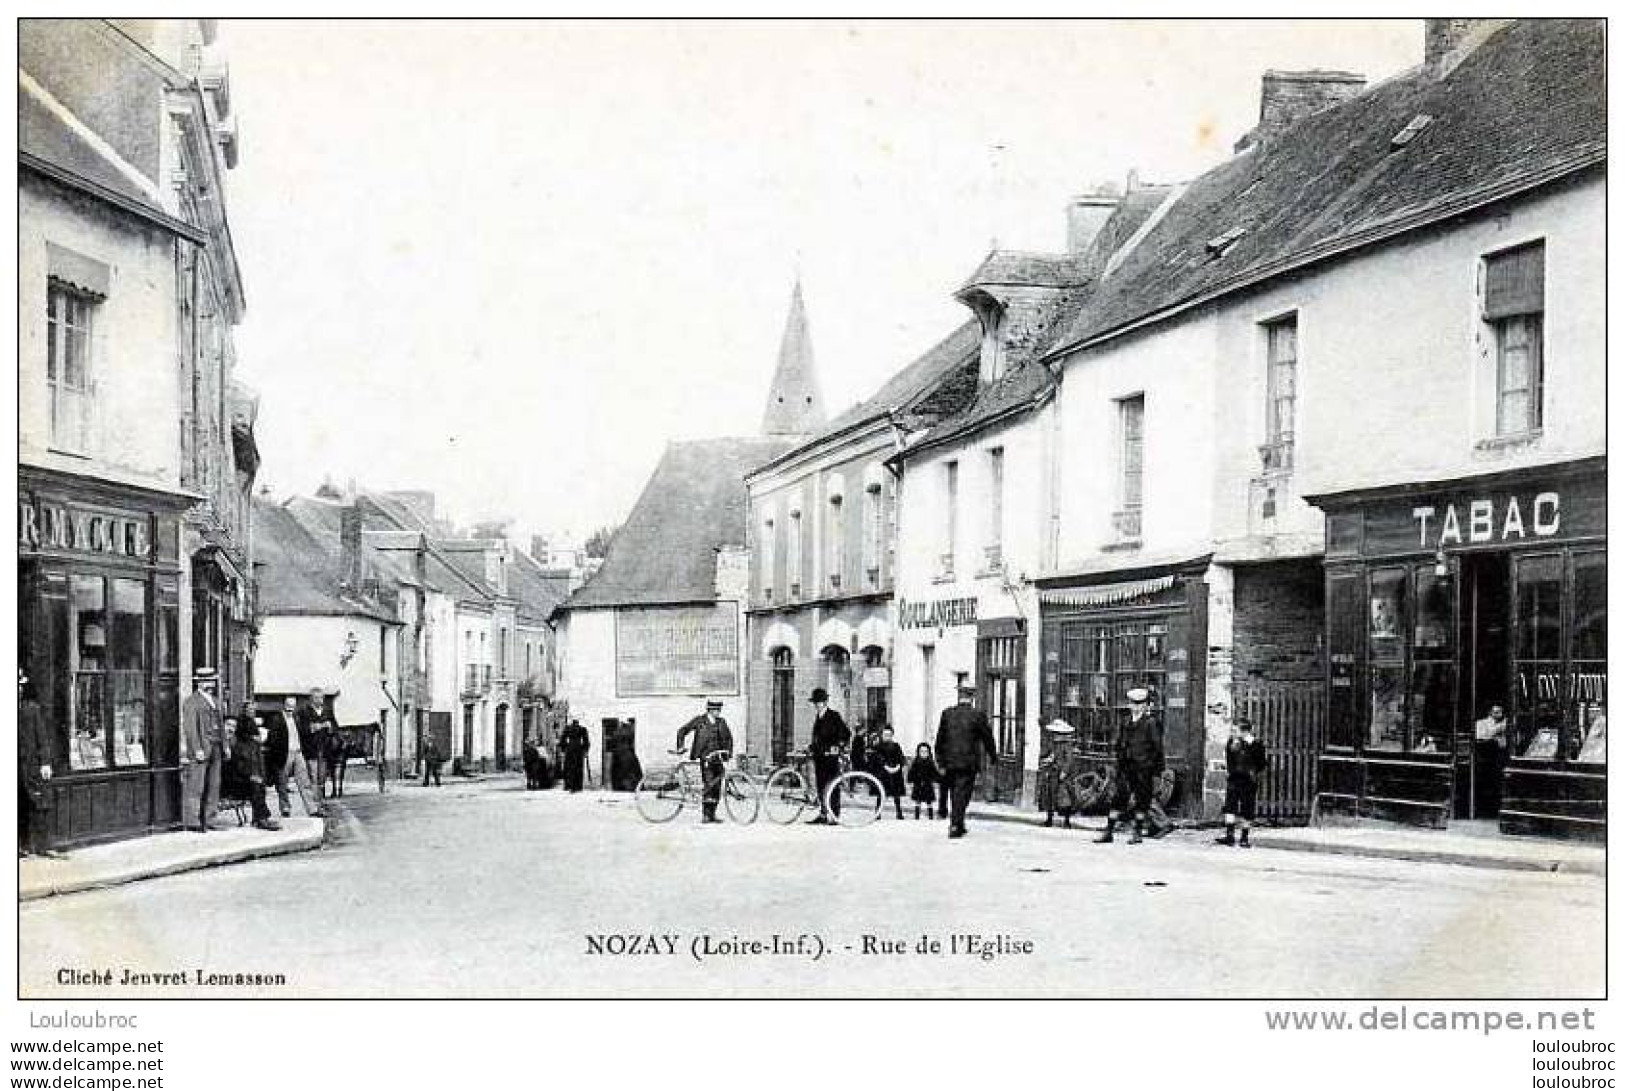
[(786, 796), (659, 797), (861, 799), (741, 798)]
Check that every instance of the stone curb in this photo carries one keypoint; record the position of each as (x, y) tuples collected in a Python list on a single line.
[(302, 842), (1273, 838)]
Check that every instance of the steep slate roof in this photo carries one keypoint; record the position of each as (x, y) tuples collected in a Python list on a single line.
[(1525, 107), (694, 503), (296, 574), (539, 591), (321, 519)]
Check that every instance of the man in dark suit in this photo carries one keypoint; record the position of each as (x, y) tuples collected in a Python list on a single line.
[(573, 746), (275, 752), (963, 736), (315, 722), (713, 743), (35, 749), (830, 736), (1140, 763), (203, 751)]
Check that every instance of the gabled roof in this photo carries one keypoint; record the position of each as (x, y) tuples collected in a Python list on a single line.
[(322, 518), (693, 505), (1523, 109), (795, 403), (296, 574), (538, 590)]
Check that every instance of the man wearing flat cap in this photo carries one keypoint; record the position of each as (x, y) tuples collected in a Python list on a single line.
[(203, 751), (713, 744), (1139, 764), (830, 737), (963, 736)]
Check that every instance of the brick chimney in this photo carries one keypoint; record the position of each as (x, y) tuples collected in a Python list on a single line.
[(1446, 42), (1289, 97), (350, 546)]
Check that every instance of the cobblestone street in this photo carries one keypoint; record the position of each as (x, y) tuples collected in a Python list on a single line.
[(483, 889)]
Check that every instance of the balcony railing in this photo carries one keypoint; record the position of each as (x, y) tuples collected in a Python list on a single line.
[(476, 678), (1126, 525)]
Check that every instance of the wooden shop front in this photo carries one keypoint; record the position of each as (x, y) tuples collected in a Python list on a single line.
[(1444, 601)]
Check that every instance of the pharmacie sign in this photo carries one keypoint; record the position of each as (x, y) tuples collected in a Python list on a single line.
[(57, 527), (1574, 508), (938, 613)]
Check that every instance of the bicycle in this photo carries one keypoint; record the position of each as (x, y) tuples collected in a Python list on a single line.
[(663, 793), (853, 798)]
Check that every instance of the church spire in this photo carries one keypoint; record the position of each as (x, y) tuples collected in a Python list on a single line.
[(795, 405)]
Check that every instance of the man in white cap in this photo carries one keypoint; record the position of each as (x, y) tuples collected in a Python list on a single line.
[(203, 751), (1139, 764)]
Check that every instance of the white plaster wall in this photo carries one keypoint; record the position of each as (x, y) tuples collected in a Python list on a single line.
[(134, 431), (920, 544), (587, 682), (296, 653), (1400, 371), (1173, 368)]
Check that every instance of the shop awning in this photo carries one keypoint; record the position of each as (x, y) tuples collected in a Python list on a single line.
[(1105, 594)]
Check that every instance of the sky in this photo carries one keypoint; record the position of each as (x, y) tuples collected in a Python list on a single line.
[(510, 261)]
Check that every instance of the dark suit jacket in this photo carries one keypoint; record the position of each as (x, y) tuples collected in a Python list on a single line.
[(310, 725), (708, 737), (1139, 743), (35, 748), (963, 736), (276, 741), (829, 733)]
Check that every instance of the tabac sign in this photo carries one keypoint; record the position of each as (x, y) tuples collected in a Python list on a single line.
[(56, 527), (1539, 513)]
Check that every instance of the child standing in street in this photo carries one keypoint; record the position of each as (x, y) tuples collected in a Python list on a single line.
[(1245, 760), (923, 778)]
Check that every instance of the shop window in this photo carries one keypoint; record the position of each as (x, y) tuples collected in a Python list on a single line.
[(1100, 663), (1433, 666), (1589, 656), (1514, 305), (1537, 720), (87, 667), (128, 677), (69, 316), (1385, 639)]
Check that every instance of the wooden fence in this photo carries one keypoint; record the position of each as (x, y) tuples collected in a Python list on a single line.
[(1290, 717)]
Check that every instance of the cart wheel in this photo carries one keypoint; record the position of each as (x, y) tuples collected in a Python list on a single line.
[(786, 796), (861, 798), (741, 798), (659, 797)]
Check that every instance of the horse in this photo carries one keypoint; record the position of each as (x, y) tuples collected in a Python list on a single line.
[(342, 744)]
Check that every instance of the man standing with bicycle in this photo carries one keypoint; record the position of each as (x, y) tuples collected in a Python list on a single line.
[(712, 739), (830, 737)]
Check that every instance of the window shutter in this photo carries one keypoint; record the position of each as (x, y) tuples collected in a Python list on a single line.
[(1515, 282)]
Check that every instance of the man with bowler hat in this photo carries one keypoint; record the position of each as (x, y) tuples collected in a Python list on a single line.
[(713, 742), (963, 736), (830, 737), (1139, 764), (203, 751)]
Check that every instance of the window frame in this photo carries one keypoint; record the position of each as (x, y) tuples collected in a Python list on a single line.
[(58, 336)]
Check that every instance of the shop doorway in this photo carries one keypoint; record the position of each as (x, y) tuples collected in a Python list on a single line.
[(1001, 668), (783, 725), (1485, 613)]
